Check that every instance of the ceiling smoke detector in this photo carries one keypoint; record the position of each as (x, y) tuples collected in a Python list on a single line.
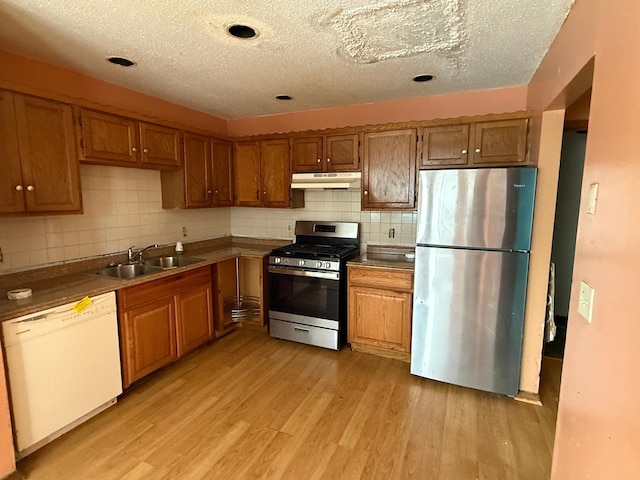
[(242, 31), (123, 62), (284, 97), (423, 78)]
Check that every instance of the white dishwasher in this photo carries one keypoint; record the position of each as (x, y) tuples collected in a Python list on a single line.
[(64, 368)]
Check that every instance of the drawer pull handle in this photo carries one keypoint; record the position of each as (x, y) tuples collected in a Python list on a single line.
[(306, 330)]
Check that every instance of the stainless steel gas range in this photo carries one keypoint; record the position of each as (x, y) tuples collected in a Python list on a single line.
[(308, 283)]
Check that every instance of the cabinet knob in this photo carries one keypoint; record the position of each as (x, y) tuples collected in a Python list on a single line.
[(319, 160), (134, 149), (477, 150), (365, 192), (30, 188), (208, 192), (264, 193), (145, 150), (464, 152), (328, 159), (216, 192), (19, 188)]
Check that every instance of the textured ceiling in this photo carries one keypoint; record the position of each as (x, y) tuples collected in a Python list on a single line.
[(323, 54)]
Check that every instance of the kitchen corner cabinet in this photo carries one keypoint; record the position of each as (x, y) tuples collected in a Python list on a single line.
[(498, 142), (380, 308), (329, 153), (114, 140), (40, 169), (251, 281), (162, 320), (389, 169), (262, 175)]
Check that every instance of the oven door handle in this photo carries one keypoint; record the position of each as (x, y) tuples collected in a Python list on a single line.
[(305, 273)]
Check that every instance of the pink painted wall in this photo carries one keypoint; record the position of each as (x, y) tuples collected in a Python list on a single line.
[(598, 420), (44, 78), (420, 108)]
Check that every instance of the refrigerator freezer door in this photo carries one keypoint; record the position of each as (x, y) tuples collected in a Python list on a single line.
[(489, 208), (468, 315)]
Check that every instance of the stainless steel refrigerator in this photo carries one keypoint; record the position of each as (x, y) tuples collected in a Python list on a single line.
[(472, 259)]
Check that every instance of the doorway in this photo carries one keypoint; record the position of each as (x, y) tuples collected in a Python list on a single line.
[(572, 155)]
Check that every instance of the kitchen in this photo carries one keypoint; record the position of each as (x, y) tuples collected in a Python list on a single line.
[(510, 99)]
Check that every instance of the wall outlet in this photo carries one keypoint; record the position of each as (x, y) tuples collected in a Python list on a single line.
[(593, 197), (289, 227), (585, 301), (392, 233), (184, 231)]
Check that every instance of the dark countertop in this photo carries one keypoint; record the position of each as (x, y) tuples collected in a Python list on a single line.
[(54, 290), (386, 257)]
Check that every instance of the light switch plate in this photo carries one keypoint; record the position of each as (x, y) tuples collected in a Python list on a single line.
[(593, 197), (585, 301)]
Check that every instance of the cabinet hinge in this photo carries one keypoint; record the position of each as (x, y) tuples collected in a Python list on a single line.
[(80, 120), (82, 143)]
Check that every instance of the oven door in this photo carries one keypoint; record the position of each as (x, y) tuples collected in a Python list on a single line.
[(307, 296)]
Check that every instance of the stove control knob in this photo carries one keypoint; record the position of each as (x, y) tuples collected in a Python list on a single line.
[(277, 260), (319, 264), (328, 265), (301, 263)]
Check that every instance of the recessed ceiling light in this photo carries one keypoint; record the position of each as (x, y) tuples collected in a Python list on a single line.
[(242, 31), (423, 78), (123, 62), (284, 97)]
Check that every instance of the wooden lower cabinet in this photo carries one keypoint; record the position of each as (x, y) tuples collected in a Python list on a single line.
[(380, 308), (162, 320), (148, 339)]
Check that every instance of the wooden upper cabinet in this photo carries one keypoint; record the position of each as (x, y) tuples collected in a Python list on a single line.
[(106, 137), (197, 170), (247, 174), (447, 145), (110, 139), (276, 175), (342, 153), (160, 145), (222, 183), (389, 169), (307, 154), (499, 142), (11, 185), (40, 168), (330, 153)]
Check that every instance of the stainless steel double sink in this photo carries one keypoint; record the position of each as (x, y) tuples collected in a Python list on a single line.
[(128, 271)]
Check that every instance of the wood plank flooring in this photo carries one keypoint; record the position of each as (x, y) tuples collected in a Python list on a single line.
[(250, 406)]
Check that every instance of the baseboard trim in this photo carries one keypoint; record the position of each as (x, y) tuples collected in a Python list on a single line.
[(530, 398)]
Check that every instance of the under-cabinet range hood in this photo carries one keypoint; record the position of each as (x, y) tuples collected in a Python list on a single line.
[(332, 180)]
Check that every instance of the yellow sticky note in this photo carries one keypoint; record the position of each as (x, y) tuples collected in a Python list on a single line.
[(82, 304)]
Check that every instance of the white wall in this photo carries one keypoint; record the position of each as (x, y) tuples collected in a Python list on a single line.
[(122, 207)]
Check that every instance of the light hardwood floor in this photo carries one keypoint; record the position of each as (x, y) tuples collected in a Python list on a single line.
[(249, 406)]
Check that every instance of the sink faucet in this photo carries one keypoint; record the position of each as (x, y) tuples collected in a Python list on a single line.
[(132, 255)]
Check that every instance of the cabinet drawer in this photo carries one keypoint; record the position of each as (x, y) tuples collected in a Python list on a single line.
[(381, 277)]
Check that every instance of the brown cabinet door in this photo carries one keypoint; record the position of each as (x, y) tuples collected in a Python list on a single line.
[(109, 139), (389, 170), (197, 170), (195, 323), (276, 173), (306, 154), (380, 318), (448, 145), (246, 182), (11, 186), (342, 153), (499, 142), (160, 145), (149, 338), (222, 173), (50, 169)]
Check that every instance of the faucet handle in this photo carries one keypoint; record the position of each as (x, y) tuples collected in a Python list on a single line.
[(130, 253)]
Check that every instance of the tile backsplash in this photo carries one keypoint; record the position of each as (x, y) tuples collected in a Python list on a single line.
[(123, 207)]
